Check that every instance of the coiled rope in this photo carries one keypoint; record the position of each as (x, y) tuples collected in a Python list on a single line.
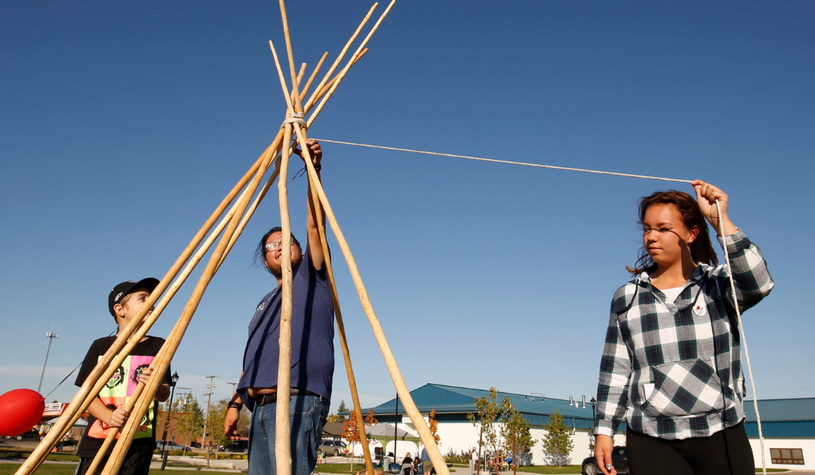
[(630, 175)]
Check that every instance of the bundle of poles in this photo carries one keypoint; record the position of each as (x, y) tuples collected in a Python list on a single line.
[(231, 217)]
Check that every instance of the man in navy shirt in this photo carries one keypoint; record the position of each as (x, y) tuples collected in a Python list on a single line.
[(312, 352)]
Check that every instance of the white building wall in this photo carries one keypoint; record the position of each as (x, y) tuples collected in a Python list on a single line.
[(463, 436), (403, 447), (356, 448), (807, 445), (456, 436)]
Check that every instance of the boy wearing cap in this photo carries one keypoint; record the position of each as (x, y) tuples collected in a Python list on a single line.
[(108, 409)]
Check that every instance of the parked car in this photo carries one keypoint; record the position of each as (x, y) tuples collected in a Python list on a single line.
[(68, 441), (333, 447), (170, 446), (237, 446), (32, 434), (619, 458)]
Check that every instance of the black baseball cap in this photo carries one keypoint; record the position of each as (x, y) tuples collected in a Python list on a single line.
[(118, 292)]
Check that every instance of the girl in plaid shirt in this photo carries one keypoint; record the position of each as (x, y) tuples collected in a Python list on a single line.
[(671, 365)]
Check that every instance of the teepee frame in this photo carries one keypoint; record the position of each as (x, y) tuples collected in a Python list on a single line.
[(231, 216)]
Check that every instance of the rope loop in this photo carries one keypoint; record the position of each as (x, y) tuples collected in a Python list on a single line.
[(296, 118)]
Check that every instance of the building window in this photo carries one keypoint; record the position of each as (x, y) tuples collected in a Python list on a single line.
[(787, 456)]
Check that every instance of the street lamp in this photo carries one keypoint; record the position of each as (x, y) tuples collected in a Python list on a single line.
[(50, 336), (174, 379), (395, 425), (593, 403)]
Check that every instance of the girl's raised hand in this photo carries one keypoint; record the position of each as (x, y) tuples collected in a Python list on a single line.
[(707, 195)]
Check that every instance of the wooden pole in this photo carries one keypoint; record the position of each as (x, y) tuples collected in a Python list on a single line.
[(102, 453), (337, 61), (301, 73), (171, 345), (175, 336), (298, 107), (346, 353), (251, 211), (396, 375), (282, 442), (281, 445), (282, 418), (282, 426), (329, 84), (107, 364), (161, 362), (121, 347), (305, 88), (350, 63)]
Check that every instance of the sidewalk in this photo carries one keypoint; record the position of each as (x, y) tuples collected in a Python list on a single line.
[(201, 464)]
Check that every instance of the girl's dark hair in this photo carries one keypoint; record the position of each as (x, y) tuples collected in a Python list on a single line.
[(701, 250), (260, 251)]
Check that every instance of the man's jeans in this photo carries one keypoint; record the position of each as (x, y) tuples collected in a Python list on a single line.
[(307, 416)]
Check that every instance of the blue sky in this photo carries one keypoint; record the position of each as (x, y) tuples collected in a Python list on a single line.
[(124, 124)]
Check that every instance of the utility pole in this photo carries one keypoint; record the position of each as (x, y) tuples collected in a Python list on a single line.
[(184, 393), (234, 385), (50, 336), (208, 394)]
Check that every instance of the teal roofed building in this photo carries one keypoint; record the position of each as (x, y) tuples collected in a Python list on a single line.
[(788, 424), (458, 434)]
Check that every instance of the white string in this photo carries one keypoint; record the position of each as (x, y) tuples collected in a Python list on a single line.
[(743, 338), (509, 162)]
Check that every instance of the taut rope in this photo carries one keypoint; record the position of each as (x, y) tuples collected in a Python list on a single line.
[(508, 162), (630, 175)]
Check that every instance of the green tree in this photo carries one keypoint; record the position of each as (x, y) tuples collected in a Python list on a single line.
[(190, 420), (557, 443), (489, 412), (517, 436), (217, 414), (340, 410)]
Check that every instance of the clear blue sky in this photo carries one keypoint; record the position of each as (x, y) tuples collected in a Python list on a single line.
[(125, 123)]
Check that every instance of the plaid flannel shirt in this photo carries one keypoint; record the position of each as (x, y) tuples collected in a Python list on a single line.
[(673, 369)]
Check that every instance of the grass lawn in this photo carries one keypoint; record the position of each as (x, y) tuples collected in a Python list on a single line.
[(576, 469), (68, 469), (19, 454), (550, 469), (45, 469)]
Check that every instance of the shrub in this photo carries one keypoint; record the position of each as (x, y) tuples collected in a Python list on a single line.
[(461, 457)]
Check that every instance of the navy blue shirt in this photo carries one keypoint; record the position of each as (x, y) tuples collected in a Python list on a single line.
[(312, 336)]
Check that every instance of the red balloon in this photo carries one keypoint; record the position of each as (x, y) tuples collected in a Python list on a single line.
[(20, 410)]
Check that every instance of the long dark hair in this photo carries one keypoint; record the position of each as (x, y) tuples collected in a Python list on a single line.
[(260, 251), (701, 250)]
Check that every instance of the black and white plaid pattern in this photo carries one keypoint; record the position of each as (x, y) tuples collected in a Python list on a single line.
[(673, 369)]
